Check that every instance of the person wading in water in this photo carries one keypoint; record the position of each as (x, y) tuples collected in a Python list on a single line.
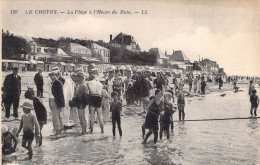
[(95, 100), (181, 102), (154, 108)]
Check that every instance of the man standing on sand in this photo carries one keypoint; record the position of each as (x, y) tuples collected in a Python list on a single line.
[(12, 88), (56, 102), (38, 80), (95, 100)]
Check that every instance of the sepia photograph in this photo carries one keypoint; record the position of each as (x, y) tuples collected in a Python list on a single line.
[(128, 82)]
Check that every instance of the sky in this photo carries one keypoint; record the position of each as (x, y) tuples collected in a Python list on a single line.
[(226, 31)]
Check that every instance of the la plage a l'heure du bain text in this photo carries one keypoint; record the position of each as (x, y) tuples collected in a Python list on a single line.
[(79, 12)]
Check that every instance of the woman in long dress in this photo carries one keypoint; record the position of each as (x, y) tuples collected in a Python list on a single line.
[(110, 84), (105, 105)]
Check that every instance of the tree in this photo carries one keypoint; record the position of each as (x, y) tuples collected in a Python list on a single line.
[(13, 47)]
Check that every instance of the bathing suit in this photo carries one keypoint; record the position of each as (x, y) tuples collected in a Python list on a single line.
[(28, 135), (95, 100), (181, 98), (253, 100)]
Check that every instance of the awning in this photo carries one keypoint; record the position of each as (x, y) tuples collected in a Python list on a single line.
[(62, 56), (33, 62), (15, 61), (93, 60), (72, 65), (40, 62), (122, 68), (62, 63)]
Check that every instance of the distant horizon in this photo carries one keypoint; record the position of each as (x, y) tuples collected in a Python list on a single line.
[(224, 31)]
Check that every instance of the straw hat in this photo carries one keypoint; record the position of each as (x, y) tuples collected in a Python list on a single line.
[(56, 69), (27, 105), (78, 70)]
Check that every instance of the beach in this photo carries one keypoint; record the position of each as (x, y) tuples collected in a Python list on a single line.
[(191, 142)]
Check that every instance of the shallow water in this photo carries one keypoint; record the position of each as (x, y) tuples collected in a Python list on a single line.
[(199, 142)]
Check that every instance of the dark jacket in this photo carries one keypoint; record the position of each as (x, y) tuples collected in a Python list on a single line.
[(57, 92), (38, 79), (61, 80), (12, 85), (40, 109)]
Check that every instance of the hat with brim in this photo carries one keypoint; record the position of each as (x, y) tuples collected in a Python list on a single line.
[(52, 73), (27, 105), (56, 69), (15, 68)]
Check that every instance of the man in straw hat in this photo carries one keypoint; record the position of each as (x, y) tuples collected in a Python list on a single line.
[(57, 102), (28, 124), (57, 70), (12, 88)]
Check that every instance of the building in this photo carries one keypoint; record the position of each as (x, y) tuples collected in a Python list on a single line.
[(208, 66), (126, 41), (100, 52), (79, 53), (181, 60), (160, 56)]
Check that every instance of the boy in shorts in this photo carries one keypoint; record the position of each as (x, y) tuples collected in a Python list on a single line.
[(116, 108), (28, 124), (254, 103), (40, 111)]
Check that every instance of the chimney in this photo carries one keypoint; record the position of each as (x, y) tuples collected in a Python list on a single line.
[(173, 52), (165, 52), (110, 37)]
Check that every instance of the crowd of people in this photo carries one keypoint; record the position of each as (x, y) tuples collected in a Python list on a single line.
[(104, 100)]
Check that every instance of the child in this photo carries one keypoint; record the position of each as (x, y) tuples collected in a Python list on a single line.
[(254, 102), (143, 128), (165, 119), (8, 140), (40, 111), (181, 102), (28, 122), (171, 92), (116, 108), (155, 107)]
